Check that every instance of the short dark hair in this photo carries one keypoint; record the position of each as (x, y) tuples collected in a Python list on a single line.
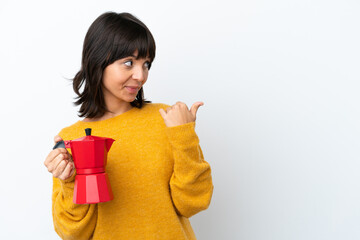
[(110, 37)]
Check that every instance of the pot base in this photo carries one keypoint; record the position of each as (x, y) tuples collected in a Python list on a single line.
[(92, 188)]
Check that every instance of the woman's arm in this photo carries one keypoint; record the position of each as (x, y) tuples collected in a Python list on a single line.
[(71, 221), (191, 183)]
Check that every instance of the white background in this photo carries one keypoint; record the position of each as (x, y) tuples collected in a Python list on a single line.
[(280, 124)]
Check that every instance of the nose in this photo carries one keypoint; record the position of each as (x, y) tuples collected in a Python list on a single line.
[(139, 74)]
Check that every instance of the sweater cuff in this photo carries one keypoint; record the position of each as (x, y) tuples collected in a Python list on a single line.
[(182, 136)]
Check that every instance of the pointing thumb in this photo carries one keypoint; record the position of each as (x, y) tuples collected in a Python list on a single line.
[(195, 107)]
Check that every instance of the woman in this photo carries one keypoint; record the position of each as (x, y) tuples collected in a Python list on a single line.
[(156, 168)]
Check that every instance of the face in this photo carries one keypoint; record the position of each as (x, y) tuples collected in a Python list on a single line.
[(123, 79)]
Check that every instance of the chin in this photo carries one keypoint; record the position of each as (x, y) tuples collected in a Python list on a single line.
[(129, 100)]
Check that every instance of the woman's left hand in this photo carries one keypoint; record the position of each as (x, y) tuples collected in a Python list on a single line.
[(179, 114)]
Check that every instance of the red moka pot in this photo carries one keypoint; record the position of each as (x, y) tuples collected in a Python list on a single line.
[(89, 153)]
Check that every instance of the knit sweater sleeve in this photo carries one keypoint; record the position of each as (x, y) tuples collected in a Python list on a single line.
[(191, 182), (71, 221)]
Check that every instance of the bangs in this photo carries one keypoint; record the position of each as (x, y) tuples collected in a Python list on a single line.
[(131, 37)]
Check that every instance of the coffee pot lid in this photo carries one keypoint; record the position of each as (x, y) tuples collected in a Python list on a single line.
[(89, 137)]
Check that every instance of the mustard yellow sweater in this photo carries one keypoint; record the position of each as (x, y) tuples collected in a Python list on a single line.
[(158, 176)]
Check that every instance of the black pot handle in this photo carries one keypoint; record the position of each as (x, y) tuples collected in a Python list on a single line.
[(60, 144)]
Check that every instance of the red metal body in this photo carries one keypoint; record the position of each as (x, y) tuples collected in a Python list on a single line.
[(90, 157)]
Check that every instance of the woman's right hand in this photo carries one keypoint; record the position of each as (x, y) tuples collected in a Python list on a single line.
[(59, 162)]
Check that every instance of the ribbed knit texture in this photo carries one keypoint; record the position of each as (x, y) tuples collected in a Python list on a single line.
[(158, 176)]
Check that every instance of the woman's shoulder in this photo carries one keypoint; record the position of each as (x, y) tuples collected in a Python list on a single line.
[(69, 130), (155, 106), (151, 113)]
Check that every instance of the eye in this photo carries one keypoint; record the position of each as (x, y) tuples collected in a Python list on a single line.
[(128, 63), (147, 64)]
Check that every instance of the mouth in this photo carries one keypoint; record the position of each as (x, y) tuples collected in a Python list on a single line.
[(132, 89)]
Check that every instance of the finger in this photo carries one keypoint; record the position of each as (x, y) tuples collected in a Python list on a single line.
[(53, 164), (195, 107), (59, 169), (72, 170), (57, 138), (162, 113), (70, 157), (168, 109), (181, 104), (53, 154), (67, 171)]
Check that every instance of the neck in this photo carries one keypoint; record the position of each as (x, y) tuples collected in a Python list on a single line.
[(117, 110), (114, 110)]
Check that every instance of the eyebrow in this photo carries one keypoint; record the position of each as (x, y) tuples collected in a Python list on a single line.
[(136, 57)]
